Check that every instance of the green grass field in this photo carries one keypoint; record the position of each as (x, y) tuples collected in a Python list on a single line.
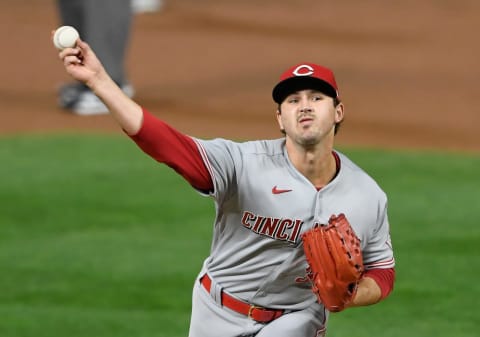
[(96, 239)]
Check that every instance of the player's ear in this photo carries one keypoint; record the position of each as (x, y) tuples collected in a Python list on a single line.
[(278, 115), (339, 112)]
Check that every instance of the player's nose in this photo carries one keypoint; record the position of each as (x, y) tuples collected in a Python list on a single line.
[(305, 104), (306, 108)]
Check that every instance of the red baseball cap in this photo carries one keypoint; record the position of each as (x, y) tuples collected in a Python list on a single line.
[(305, 76)]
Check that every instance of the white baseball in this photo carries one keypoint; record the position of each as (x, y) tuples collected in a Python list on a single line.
[(65, 37)]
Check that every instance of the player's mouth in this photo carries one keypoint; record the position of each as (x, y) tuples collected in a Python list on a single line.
[(305, 120)]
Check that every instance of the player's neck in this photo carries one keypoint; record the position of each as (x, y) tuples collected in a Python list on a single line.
[(318, 165)]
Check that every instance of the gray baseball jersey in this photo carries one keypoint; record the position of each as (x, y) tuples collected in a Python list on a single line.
[(263, 205)]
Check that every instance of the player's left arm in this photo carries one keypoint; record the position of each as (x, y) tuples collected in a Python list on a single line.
[(375, 285), (379, 277)]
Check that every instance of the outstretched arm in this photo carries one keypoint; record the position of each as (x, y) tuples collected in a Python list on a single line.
[(155, 137), (83, 65)]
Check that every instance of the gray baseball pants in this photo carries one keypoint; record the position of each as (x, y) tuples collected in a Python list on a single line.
[(105, 26)]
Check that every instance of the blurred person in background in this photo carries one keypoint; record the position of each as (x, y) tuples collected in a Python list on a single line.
[(106, 26), (147, 6)]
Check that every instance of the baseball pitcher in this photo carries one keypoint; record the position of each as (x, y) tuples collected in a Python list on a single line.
[(300, 230)]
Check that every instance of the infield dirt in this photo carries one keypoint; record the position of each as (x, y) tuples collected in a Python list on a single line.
[(407, 71)]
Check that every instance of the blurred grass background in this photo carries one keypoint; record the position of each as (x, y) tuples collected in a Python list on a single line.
[(96, 239)]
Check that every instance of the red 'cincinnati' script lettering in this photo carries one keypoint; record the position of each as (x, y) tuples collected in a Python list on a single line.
[(283, 229)]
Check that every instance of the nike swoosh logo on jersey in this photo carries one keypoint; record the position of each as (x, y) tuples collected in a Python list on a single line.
[(275, 190)]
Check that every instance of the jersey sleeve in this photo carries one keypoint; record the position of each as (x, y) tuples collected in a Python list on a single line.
[(223, 159), (180, 152), (378, 253)]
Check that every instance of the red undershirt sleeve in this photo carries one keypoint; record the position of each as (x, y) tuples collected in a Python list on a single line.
[(385, 278), (169, 146)]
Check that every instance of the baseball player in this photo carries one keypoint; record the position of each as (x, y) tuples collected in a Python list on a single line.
[(255, 282)]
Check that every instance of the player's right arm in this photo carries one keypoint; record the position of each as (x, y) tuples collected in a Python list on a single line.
[(83, 65), (156, 138), (171, 147)]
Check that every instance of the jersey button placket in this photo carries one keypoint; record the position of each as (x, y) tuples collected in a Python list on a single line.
[(317, 208)]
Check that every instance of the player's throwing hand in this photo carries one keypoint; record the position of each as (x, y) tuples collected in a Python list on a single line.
[(82, 63)]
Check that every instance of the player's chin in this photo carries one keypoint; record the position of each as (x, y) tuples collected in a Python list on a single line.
[(308, 139)]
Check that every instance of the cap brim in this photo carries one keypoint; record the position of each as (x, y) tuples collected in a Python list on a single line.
[(293, 84)]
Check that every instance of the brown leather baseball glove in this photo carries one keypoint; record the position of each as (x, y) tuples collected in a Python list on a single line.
[(335, 258)]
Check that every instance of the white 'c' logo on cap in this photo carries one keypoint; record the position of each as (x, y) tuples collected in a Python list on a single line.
[(303, 70)]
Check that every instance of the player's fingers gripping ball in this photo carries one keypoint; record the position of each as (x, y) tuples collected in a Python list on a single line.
[(334, 255), (65, 37)]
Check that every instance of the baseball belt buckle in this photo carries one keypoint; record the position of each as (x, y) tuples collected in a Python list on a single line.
[(250, 310), (263, 315)]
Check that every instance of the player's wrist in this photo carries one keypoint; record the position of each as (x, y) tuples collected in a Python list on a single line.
[(368, 292), (101, 83)]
